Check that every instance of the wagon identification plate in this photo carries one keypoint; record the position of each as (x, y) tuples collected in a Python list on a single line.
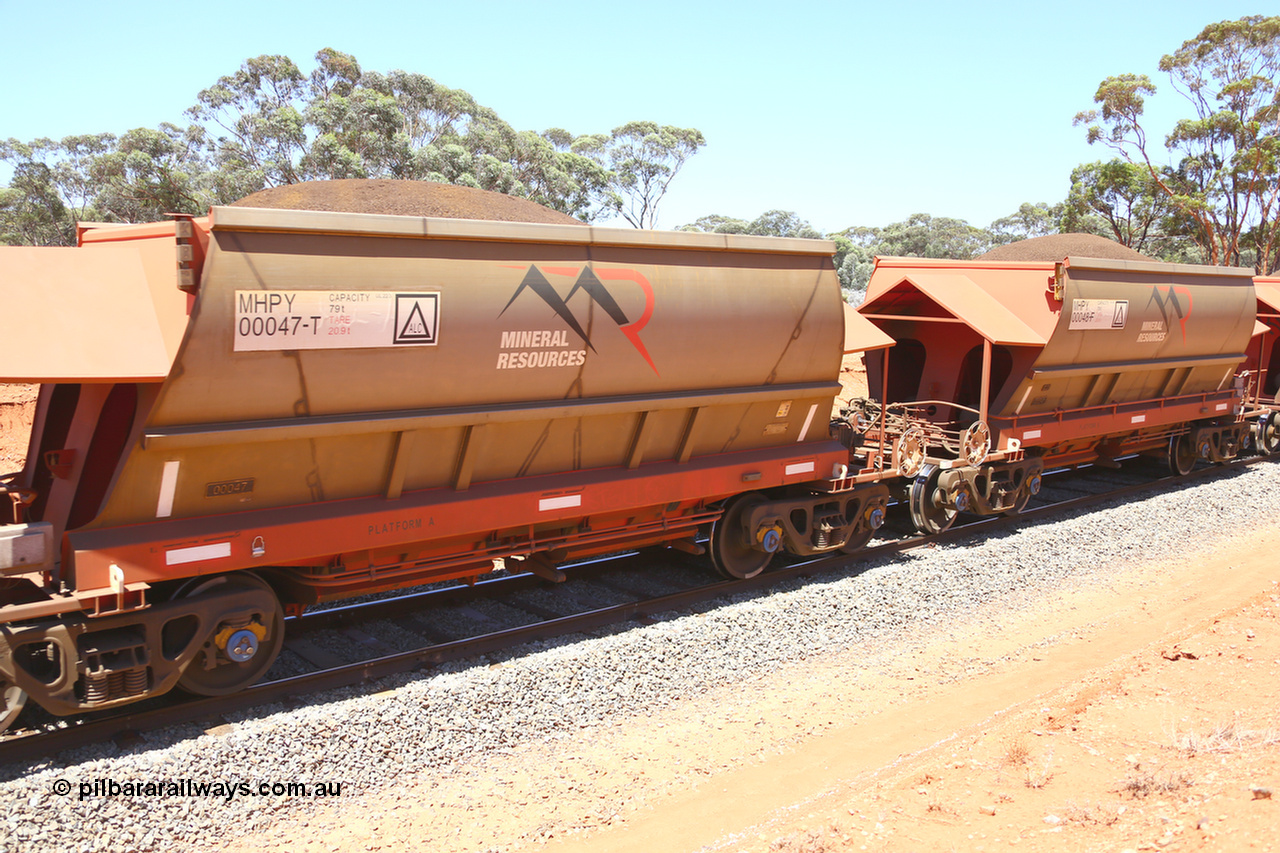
[(1099, 313), (228, 487), (334, 319)]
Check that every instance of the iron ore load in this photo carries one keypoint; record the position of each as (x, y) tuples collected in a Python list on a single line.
[(265, 408)]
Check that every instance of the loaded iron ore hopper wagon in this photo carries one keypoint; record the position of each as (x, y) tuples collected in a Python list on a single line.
[(258, 410), (1002, 367)]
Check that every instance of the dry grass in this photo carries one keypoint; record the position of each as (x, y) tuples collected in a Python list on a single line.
[(1092, 815), (1224, 738), (1016, 752), (1147, 782), (936, 807), (811, 841), (1038, 777)]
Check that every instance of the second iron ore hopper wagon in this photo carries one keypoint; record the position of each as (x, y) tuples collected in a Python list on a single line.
[(1001, 367), (263, 409)]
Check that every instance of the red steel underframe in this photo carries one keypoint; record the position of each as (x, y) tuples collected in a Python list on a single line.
[(1049, 428), (301, 535)]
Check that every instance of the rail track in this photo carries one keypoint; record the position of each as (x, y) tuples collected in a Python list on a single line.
[(362, 642)]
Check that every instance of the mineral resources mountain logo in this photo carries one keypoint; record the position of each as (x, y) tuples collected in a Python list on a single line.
[(591, 283), (1175, 303)]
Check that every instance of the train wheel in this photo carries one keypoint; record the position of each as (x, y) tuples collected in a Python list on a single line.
[(1268, 435), (871, 520), (1249, 444), (236, 652), (857, 541), (731, 548), (1182, 455), (928, 514), (14, 698)]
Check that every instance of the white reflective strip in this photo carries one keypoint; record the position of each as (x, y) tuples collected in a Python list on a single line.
[(1138, 419), (804, 430), (168, 484), (178, 556), (559, 503), (1025, 395), (1031, 433), (800, 468)]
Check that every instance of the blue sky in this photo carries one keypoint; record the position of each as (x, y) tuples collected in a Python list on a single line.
[(852, 113)]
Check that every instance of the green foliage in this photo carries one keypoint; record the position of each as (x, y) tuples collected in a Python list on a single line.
[(344, 122), (919, 235), (137, 177), (269, 124), (263, 132), (783, 223), (715, 223), (643, 158), (1121, 201), (31, 212), (771, 223), (852, 261), (151, 173), (1031, 220), (1223, 186), (925, 236)]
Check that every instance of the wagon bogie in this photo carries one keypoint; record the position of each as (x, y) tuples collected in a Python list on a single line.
[(994, 488), (76, 663)]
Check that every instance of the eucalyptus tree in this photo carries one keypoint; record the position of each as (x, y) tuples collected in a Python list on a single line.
[(1120, 200), (258, 130), (149, 173), (269, 124), (771, 223), (918, 236), (32, 212), (1037, 219), (141, 175), (643, 158), (1224, 179)]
